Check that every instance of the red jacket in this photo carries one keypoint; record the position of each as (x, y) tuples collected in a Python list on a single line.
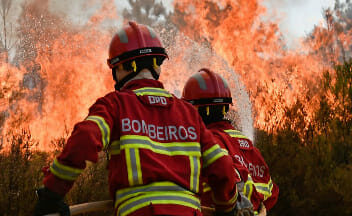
[(259, 186), (157, 145)]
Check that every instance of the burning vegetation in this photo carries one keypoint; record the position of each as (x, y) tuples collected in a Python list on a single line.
[(297, 104)]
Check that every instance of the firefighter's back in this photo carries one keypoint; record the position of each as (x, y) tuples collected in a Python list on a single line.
[(259, 186), (155, 153)]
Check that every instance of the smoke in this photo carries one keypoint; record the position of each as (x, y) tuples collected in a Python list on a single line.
[(9, 13), (296, 18), (285, 3), (78, 11), (187, 57)]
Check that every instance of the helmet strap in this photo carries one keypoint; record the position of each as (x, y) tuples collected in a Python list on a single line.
[(113, 71), (122, 82), (212, 113), (224, 110), (130, 76), (154, 73)]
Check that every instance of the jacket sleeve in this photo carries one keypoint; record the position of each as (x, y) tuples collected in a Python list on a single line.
[(268, 188), (88, 138), (218, 169), (225, 143), (261, 189), (271, 201)]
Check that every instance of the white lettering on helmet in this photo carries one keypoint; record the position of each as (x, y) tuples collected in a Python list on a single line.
[(143, 51), (218, 100)]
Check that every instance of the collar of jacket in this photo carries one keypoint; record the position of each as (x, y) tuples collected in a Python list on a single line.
[(141, 83), (221, 125)]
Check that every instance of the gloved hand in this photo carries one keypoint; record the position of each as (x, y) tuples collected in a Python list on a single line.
[(244, 206), (50, 202), (262, 210)]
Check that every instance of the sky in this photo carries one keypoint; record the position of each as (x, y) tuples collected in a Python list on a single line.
[(297, 17)]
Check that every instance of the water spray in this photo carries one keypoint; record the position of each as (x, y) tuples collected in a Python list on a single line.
[(187, 57)]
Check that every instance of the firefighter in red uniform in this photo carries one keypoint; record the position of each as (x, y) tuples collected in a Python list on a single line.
[(210, 93), (158, 145)]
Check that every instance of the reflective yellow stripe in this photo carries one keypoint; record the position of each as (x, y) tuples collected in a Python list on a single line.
[(238, 174), (152, 91), (248, 187), (65, 172), (248, 190), (127, 193), (114, 148), (225, 151), (235, 134), (138, 167), (129, 167), (133, 167), (206, 187), (170, 149), (169, 197), (195, 173), (212, 154), (104, 128), (265, 189)]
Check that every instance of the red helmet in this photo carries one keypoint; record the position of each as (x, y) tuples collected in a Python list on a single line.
[(207, 88), (134, 41)]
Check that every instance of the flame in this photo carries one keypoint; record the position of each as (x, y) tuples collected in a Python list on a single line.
[(71, 65), (63, 65), (275, 77)]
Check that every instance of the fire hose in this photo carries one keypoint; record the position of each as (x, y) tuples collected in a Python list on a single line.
[(108, 204)]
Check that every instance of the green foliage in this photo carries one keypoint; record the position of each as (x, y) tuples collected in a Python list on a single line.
[(312, 166), (21, 175), (91, 186)]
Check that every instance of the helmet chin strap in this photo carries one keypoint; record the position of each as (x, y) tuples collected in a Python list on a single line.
[(154, 73), (122, 82)]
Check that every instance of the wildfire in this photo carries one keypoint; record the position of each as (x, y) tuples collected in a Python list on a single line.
[(67, 72), (70, 65), (275, 77)]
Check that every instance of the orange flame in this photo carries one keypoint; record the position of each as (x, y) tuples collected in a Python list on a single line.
[(275, 77), (230, 37)]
